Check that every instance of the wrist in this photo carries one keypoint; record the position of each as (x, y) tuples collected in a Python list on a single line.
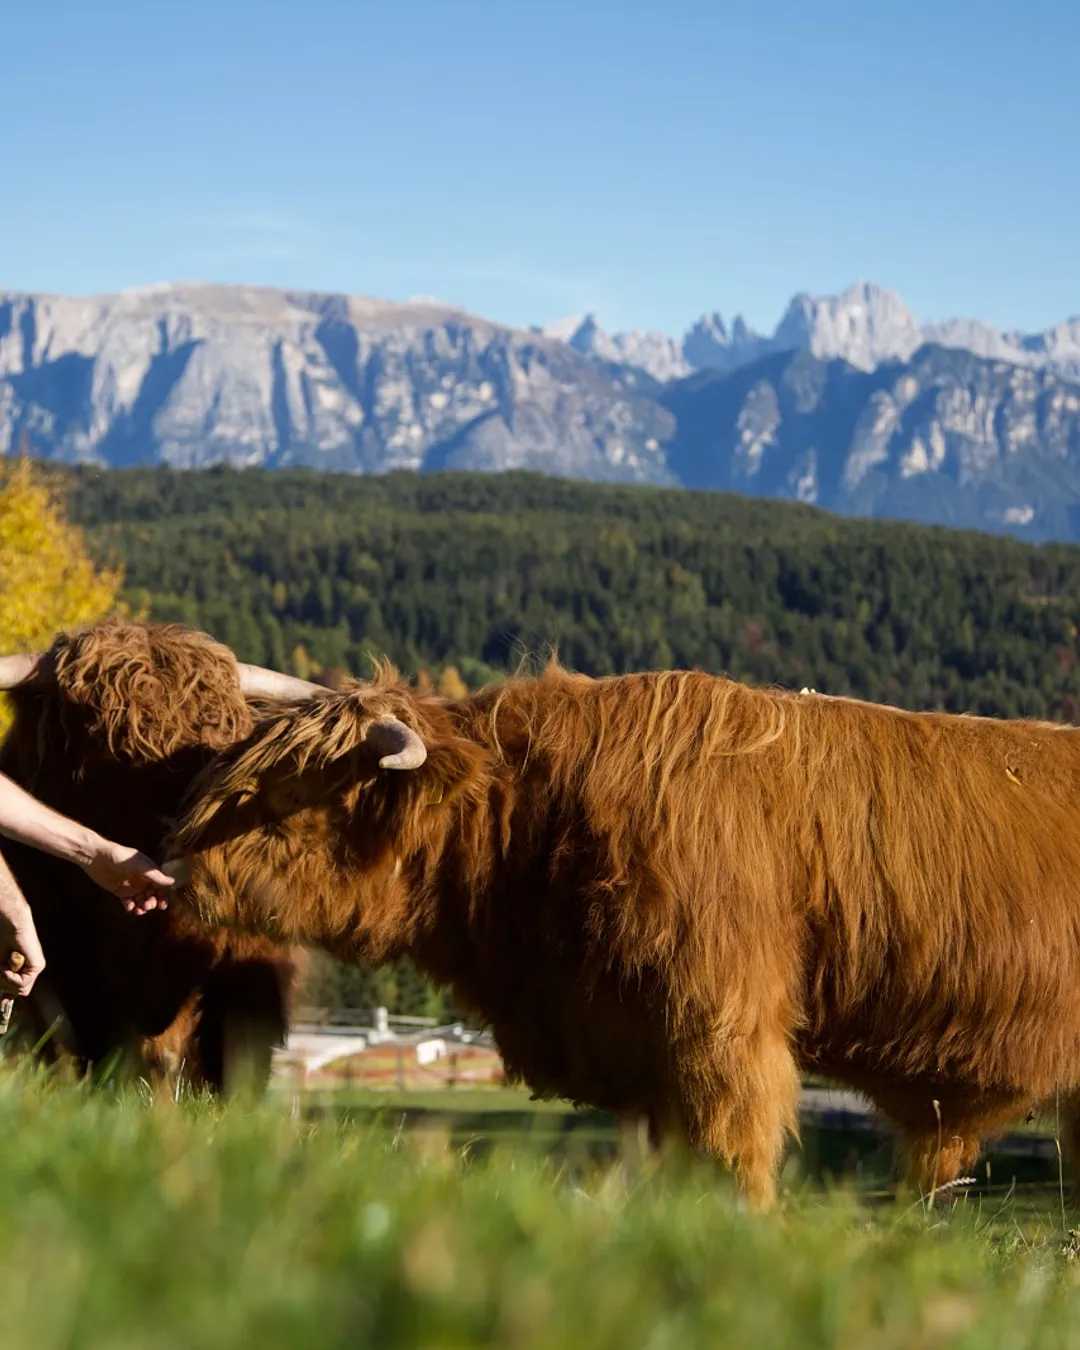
[(13, 904), (85, 846), (14, 907)]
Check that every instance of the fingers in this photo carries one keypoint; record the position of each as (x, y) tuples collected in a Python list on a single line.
[(142, 901), (19, 985), (143, 904), (132, 887), (20, 971), (144, 872), (136, 880)]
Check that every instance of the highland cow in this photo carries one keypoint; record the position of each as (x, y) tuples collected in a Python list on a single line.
[(110, 727), (667, 893)]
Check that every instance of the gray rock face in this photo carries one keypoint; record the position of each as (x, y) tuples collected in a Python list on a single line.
[(658, 355), (709, 346), (863, 326), (1056, 349), (946, 437), (193, 375)]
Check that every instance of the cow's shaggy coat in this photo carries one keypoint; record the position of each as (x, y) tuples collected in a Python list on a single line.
[(667, 892), (134, 711)]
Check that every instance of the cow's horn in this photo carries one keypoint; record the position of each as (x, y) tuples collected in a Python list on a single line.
[(258, 682), (16, 670), (177, 868), (255, 681), (398, 746)]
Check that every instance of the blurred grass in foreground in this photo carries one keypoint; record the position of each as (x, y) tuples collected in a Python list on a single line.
[(129, 1223)]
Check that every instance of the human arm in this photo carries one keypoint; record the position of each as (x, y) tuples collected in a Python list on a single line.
[(17, 934), (125, 872)]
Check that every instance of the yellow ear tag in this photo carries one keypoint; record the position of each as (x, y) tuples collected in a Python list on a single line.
[(436, 796), (1012, 777)]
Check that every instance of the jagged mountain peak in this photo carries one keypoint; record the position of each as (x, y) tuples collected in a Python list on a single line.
[(865, 325), (658, 355)]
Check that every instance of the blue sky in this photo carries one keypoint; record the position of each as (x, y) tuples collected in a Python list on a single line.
[(644, 160)]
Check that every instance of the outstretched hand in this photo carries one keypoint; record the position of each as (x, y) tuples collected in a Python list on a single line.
[(131, 876)]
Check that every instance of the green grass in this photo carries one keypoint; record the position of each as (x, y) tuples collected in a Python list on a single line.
[(153, 1226), (513, 1099)]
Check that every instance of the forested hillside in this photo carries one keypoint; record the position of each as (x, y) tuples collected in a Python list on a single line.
[(477, 571)]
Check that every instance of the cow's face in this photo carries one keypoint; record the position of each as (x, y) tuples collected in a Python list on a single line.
[(292, 833)]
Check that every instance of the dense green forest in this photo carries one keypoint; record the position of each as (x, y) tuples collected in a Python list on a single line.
[(460, 577), (480, 571)]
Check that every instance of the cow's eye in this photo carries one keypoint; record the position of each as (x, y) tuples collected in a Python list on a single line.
[(287, 798)]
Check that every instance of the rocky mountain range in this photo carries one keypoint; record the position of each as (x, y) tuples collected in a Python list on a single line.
[(850, 403), (946, 437), (190, 375), (864, 326)]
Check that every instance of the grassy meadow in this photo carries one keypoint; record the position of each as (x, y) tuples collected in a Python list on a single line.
[(154, 1225)]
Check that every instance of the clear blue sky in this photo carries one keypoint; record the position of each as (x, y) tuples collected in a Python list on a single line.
[(644, 160)]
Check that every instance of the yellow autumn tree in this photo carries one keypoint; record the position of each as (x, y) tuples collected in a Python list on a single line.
[(451, 685), (48, 580)]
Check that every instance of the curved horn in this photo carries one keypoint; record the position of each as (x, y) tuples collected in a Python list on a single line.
[(255, 681), (16, 670), (398, 746), (258, 682)]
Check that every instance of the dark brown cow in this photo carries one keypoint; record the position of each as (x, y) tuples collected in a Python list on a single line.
[(667, 893), (109, 728)]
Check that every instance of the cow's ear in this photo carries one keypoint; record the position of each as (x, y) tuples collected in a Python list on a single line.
[(454, 766)]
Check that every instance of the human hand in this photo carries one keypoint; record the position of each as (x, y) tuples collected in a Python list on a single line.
[(131, 876), (21, 957)]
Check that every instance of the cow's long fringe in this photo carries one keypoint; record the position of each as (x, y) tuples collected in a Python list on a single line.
[(147, 691)]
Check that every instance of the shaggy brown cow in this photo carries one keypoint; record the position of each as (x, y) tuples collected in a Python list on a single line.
[(110, 728), (667, 892)]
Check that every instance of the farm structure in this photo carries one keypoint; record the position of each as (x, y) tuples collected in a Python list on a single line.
[(383, 1051)]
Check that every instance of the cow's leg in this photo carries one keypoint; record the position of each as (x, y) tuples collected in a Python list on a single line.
[(667, 1132), (172, 1058), (635, 1142), (933, 1162), (1066, 1116), (656, 1135), (49, 1025), (942, 1138), (244, 1015), (739, 1098)]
